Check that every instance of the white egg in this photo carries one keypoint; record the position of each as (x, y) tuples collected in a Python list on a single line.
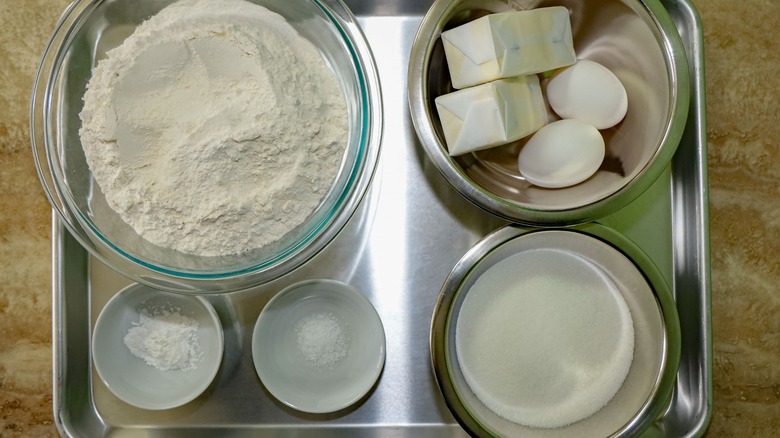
[(562, 154), (590, 92)]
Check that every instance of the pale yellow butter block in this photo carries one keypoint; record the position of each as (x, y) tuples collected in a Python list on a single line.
[(506, 44), (491, 114)]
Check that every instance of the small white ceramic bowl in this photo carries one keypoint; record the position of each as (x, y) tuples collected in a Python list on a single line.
[(344, 376), (129, 377)]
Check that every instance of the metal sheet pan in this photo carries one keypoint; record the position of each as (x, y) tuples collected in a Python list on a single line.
[(409, 232)]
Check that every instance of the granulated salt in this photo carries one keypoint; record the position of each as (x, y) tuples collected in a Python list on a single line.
[(322, 339), (165, 339)]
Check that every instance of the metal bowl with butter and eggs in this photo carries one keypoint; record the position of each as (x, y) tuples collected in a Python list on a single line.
[(634, 39)]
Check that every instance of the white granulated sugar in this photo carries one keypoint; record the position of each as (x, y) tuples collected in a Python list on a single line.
[(214, 128), (544, 338), (166, 340), (322, 339)]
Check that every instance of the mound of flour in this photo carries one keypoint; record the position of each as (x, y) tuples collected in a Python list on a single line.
[(214, 129)]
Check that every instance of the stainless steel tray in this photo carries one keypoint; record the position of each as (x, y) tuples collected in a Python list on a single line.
[(406, 237)]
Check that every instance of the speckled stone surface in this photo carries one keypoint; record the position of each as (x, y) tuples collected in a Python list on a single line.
[(25, 223), (743, 89), (742, 55)]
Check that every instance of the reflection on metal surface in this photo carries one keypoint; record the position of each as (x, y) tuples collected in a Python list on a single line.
[(387, 251)]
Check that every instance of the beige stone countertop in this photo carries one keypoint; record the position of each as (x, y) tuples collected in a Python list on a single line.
[(742, 56)]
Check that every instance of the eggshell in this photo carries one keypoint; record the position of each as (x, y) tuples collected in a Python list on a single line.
[(562, 154), (590, 92)]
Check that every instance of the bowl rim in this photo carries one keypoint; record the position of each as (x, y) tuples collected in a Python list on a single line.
[(673, 51), (361, 171), (451, 288)]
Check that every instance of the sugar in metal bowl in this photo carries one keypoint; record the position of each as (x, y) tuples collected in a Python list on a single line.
[(559, 354), (635, 39)]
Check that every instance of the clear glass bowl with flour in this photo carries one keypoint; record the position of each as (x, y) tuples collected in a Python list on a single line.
[(197, 147)]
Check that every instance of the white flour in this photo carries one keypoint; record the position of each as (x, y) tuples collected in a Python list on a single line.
[(230, 125), (166, 340)]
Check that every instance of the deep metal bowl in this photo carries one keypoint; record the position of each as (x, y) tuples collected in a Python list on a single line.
[(635, 39), (647, 389), (86, 31)]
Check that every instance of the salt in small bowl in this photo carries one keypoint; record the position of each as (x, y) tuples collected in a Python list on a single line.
[(319, 346)]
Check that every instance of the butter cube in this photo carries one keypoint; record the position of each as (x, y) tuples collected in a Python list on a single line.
[(491, 114), (506, 44)]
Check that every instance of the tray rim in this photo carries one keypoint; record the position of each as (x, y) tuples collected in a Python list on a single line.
[(697, 117)]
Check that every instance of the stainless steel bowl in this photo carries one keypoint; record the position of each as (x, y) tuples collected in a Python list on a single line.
[(647, 389), (636, 39)]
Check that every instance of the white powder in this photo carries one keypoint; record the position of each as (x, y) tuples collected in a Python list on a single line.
[(215, 128), (322, 339), (166, 340), (544, 338)]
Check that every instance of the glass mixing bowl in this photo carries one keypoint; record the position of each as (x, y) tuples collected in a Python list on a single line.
[(85, 32)]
